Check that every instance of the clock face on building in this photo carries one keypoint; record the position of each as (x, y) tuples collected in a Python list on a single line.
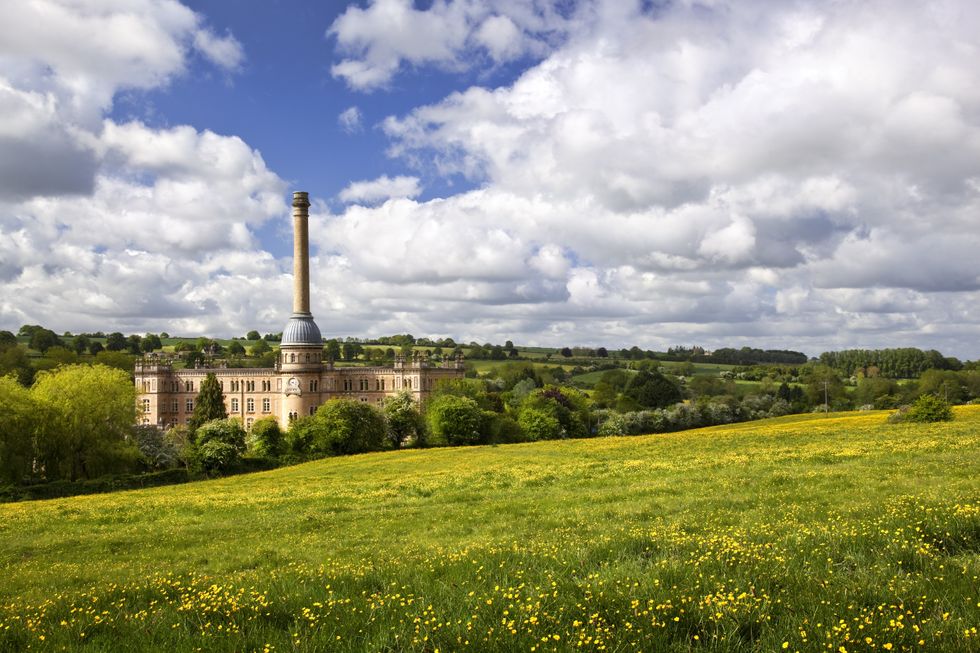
[(293, 387)]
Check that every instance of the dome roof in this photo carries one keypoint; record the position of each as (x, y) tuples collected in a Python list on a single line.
[(301, 330)]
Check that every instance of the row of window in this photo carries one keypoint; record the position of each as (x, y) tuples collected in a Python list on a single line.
[(250, 405), (310, 358)]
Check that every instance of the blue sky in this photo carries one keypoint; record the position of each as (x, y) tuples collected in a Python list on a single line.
[(800, 175)]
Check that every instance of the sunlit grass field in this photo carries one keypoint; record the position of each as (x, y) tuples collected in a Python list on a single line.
[(813, 533)]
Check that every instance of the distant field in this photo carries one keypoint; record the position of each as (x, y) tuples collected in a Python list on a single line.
[(803, 533)]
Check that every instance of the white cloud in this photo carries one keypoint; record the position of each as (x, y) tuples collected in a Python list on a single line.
[(350, 120), (732, 170), (123, 226), (224, 51), (380, 189), (379, 38)]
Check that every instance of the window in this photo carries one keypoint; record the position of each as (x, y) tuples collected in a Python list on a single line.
[(174, 406), (266, 405), (188, 386), (189, 406), (312, 410), (307, 358), (146, 405), (314, 385), (234, 405), (292, 358), (293, 416), (250, 386), (248, 422), (250, 405)]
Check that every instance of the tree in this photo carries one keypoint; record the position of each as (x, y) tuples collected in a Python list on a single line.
[(538, 424), (236, 348), (454, 420), (209, 404), (151, 342), (331, 350), (651, 390), (7, 339), (266, 438), (260, 347), (348, 426), (602, 352), (566, 352), (115, 341), (253, 335), (80, 344), (88, 413), (226, 430), (43, 339), (95, 347), (402, 419), (18, 420), (352, 350), (157, 450)]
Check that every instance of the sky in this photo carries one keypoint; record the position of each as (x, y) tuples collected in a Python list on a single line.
[(783, 174)]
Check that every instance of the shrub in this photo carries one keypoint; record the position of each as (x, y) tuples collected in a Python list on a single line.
[(347, 426), (266, 438), (217, 456), (454, 420), (927, 408), (228, 431), (538, 424)]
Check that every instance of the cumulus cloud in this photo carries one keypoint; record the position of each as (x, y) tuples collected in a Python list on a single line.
[(121, 225), (732, 170), (386, 34), (380, 189)]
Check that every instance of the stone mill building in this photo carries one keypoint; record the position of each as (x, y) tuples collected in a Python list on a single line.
[(300, 381)]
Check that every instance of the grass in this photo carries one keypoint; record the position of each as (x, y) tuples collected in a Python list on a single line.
[(800, 533)]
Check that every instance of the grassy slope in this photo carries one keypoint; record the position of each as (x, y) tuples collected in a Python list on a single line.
[(819, 532)]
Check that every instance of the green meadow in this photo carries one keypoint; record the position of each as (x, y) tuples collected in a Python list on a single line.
[(804, 533)]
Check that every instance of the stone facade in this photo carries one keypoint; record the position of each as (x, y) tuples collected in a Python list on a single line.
[(301, 380), (290, 389)]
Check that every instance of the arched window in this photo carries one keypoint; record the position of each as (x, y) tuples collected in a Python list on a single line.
[(292, 358)]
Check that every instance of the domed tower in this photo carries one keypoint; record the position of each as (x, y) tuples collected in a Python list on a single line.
[(301, 348)]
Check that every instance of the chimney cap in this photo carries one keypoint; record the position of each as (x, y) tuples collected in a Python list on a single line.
[(301, 198)]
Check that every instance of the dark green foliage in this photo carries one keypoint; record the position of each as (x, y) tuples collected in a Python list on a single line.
[(301, 434), (454, 420), (904, 363), (253, 335), (927, 408), (266, 438), (259, 348), (151, 342), (43, 339), (236, 348), (565, 406), (115, 341), (210, 402), (347, 426), (651, 390), (7, 339), (63, 488)]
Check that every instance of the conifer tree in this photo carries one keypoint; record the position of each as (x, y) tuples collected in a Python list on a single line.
[(209, 404)]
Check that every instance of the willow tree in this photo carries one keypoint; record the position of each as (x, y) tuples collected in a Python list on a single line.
[(210, 402)]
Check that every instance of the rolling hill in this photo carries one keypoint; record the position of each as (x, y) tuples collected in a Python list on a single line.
[(800, 533)]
